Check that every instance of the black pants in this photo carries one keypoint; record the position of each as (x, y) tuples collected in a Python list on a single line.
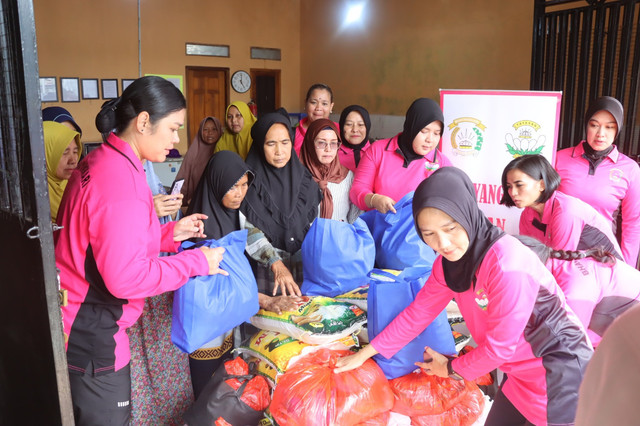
[(101, 400), (503, 413), (202, 370)]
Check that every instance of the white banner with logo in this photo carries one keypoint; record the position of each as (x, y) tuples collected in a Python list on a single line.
[(485, 129)]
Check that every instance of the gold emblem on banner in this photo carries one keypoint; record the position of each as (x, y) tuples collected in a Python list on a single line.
[(467, 135)]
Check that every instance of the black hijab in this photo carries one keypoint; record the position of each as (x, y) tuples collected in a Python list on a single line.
[(450, 190), (357, 148), (225, 169), (613, 107), (421, 112), (283, 201)]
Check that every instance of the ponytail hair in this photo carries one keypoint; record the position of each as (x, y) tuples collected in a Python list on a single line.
[(545, 252), (155, 95)]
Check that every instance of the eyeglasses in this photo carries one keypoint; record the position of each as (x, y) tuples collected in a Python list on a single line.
[(323, 145)]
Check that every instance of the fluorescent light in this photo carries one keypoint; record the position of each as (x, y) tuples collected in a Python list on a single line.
[(354, 13)]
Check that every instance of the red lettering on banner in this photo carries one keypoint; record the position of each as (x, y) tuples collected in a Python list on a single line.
[(498, 221), (487, 193)]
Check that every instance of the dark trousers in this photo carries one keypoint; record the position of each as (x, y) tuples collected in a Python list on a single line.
[(101, 400)]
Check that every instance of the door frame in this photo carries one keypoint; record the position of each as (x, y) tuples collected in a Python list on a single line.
[(258, 72)]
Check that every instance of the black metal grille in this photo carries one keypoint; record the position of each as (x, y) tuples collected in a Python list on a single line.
[(588, 49), (15, 155)]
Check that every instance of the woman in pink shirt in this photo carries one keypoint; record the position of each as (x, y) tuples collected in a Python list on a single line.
[(317, 104), (107, 251), (512, 305), (595, 172), (560, 221), (597, 287), (393, 167), (355, 125)]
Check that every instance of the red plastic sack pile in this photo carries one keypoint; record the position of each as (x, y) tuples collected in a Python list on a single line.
[(433, 400), (256, 393), (310, 393)]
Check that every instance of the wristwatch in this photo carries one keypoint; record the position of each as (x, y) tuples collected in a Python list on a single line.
[(452, 374)]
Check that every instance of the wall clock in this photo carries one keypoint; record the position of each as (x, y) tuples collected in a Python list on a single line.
[(240, 81)]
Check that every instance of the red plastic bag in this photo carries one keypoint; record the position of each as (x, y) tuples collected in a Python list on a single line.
[(256, 392), (419, 394), (310, 393), (381, 419), (222, 422), (465, 413), (233, 396)]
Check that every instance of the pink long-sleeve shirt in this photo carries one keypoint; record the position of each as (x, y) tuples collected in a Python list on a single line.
[(518, 316), (346, 156), (570, 223), (381, 171), (597, 292), (107, 254), (613, 187)]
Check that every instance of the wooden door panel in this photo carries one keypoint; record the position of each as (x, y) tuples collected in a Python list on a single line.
[(207, 95)]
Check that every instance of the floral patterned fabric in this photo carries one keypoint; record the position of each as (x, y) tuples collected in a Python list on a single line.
[(160, 381)]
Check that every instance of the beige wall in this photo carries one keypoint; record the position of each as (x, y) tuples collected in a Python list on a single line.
[(409, 48), (413, 48), (99, 39)]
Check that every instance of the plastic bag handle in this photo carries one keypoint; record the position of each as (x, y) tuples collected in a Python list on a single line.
[(382, 273)]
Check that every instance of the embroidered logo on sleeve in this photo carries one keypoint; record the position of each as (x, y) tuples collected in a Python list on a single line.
[(481, 299)]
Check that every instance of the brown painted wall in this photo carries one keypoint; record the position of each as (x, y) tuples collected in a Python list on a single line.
[(99, 39), (410, 48), (413, 48)]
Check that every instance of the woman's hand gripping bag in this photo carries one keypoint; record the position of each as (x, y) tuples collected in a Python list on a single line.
[(310, 393), (398, 245), (388, 296), (210, 305), (336, 257)]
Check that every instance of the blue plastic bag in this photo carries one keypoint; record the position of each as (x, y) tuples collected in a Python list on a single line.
[(398, 245), (388, 296), (210, 305), (336, 257)]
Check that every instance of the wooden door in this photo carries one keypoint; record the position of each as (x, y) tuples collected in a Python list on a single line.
[(207, 94), (265, 90)]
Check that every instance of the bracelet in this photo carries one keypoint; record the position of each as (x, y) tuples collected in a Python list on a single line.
[(373, 194)]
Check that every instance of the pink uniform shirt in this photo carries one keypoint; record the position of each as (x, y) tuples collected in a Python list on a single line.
[(381, 171), (504, 313), (346, 156), (107, 254), (570, 224), (597, 292), (615, 186)]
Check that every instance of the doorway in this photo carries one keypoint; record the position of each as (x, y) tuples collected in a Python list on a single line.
[(207, 95), (266, 90)]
